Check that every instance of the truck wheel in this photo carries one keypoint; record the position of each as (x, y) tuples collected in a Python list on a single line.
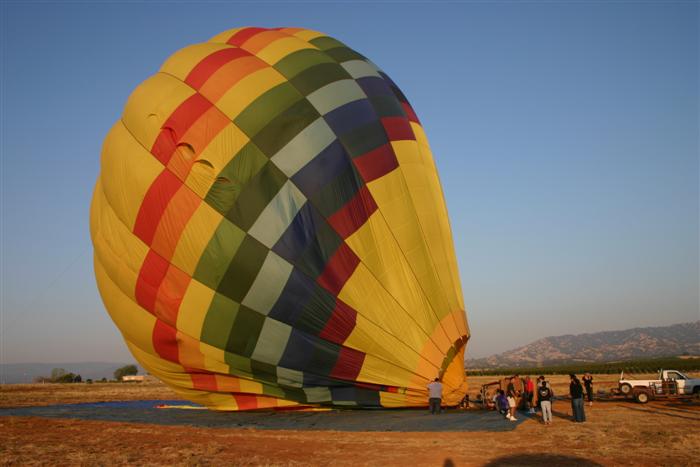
[(642, 397), (625, 389), (696, 391)]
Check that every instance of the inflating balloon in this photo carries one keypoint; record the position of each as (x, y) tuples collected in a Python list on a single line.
[(269, 230)]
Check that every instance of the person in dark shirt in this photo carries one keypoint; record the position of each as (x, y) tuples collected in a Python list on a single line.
[(576, 392), (502, 403), (511, 386), (588, 384), (544, 396), (540, 379)]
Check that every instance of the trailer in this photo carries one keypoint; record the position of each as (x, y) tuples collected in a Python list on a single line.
[(670, 384), (489, 390)]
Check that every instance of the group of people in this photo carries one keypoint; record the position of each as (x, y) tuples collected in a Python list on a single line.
[(543, 395), (531, 395)]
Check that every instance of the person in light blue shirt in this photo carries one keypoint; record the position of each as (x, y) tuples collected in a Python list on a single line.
[(435, 396)]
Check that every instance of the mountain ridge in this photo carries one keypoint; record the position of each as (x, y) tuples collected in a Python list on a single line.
[(604, 346)]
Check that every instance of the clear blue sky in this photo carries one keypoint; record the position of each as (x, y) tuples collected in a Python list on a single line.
[(566, 136)]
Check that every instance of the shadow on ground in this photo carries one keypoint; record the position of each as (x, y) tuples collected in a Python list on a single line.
[(665, 411), (405, 420), (541, 459)]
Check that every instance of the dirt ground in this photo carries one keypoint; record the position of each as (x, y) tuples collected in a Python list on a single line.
[(615, 433), (26, 395)]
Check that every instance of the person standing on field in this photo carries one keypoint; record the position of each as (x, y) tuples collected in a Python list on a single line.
[(588, 384), (528, 393), (435, 396), (545, 395), (540, 380), (512, 405), (502, 403), (576, 392), (510, 389)]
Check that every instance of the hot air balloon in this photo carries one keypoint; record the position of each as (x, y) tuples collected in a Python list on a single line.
[(269, 230)]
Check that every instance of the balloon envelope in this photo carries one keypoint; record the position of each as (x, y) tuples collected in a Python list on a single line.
[(269, 230)]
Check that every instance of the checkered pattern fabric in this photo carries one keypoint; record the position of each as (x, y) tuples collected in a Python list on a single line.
[(270, 230)]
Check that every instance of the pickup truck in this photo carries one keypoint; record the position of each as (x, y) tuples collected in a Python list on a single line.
[(670, 383)]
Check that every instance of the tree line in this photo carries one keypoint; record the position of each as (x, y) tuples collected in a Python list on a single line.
[(628, 366), (60, 375)]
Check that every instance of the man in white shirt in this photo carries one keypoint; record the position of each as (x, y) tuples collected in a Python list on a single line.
[(435, 396)]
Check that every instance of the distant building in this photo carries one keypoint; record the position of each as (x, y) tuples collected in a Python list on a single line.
[(133, 378)]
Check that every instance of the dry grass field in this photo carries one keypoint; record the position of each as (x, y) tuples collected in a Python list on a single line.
[(26, 395), (616, 433)]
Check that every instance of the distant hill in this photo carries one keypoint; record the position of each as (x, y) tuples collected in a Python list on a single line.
[(607, 346), (26, 372)]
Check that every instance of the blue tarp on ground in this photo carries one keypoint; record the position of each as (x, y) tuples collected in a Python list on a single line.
[(338, 420)]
